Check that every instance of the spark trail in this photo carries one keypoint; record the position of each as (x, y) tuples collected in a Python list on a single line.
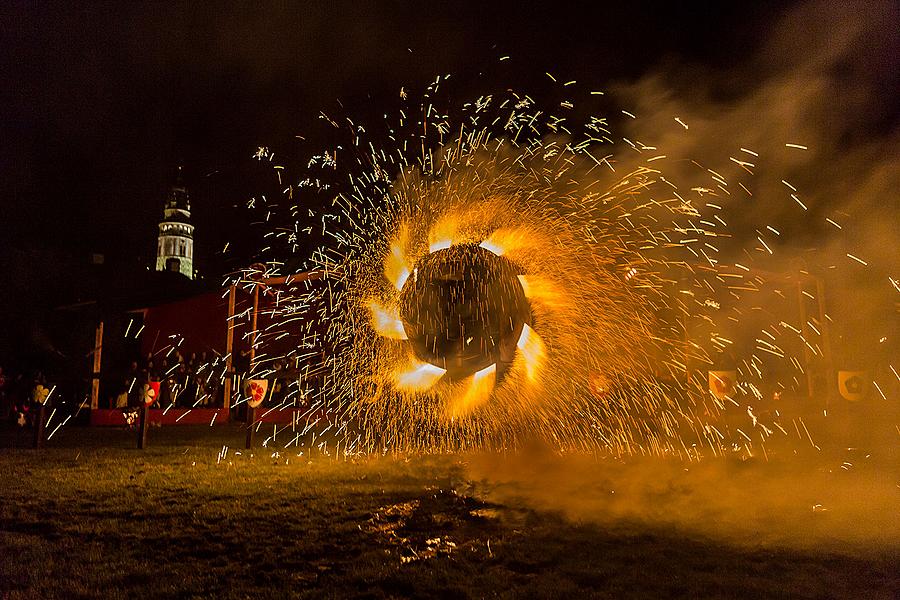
[(496, 273)]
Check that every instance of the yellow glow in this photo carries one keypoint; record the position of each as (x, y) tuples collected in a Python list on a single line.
[(492, 247), (386, 321), (506, 241), (442, 234), (478, 390), (420, 376), (543, 291), (532, 350), (526, 285), (440, 245), (395, 268)]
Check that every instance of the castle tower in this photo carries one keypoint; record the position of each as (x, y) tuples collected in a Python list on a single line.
[(175, 250)]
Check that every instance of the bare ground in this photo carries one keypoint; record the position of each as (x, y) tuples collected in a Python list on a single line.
[(91, 517)]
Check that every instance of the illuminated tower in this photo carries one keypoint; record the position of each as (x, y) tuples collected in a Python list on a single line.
[(175, 251)]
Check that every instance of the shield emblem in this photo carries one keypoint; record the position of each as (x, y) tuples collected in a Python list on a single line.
[(722, 383), (39, 394), (256, 390), (853, 385), (150, 392)]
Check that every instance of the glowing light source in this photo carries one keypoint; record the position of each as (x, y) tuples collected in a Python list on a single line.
[(440, 245), (386, 321), (507, 241), (543, 291), (492, 247), (532, 351), (395, 267), (478, 390), (420, 377)]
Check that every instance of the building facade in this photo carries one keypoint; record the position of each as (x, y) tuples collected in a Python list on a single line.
[(175, 248)]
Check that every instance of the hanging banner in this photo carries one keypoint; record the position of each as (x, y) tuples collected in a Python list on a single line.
[(722, 384), (256, 390), (150, 392), (853, 385)]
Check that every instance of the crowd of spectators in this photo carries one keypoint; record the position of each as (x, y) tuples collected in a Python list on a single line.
[(183, 382), (193, 381)]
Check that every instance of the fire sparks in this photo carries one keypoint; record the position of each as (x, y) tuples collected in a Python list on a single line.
[(396, 267), (478, 389), (533, 351), (421, 376), (496, 272), (387, 321)]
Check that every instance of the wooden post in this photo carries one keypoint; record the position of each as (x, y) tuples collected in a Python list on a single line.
[(826, 342), (687, 351), (229, 351), (804, 329), (143, 426), (251, 412), (39, 426), (251, 415), (683, 281), (95, 374), (253, 331)]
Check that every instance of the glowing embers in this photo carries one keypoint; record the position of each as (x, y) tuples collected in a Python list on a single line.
[(464, 310)]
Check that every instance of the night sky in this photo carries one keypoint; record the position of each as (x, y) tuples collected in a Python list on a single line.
[(102, 100)]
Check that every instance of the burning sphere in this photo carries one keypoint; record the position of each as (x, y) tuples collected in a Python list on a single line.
[(498, 273), (463, 310)]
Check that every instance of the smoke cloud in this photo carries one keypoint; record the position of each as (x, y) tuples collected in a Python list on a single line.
[(813, 112)]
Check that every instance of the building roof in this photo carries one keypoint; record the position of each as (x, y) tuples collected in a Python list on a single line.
[(178, 197)]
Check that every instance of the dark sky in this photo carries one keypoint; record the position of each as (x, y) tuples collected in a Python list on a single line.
[(100, 101)]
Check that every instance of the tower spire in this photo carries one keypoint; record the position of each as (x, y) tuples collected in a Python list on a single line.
[(175, 247)]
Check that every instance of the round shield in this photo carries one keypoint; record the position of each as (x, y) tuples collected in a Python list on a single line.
[(150, 392), (256, 391)]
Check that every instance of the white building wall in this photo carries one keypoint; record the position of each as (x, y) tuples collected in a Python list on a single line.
[(176, 246)]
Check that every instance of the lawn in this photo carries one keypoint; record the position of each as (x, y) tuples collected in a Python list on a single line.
[(194, 515)]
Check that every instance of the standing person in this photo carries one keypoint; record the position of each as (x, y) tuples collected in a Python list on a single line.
[(38, 395), (185, 387), (165, 387)]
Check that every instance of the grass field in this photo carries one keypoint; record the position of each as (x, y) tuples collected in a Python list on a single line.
[(91, 517)]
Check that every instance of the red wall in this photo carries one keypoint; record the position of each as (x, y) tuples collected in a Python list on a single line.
[(201, 320)]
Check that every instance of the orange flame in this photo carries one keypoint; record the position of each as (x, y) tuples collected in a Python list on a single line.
[(479, 389), (492, 246), (544, 291), (395, 267), (505, 241), (420, 376), (442, 234), (386, 321), (532, 351)]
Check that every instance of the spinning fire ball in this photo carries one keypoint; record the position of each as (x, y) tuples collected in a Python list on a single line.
[(463, 310), (505, 270)]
